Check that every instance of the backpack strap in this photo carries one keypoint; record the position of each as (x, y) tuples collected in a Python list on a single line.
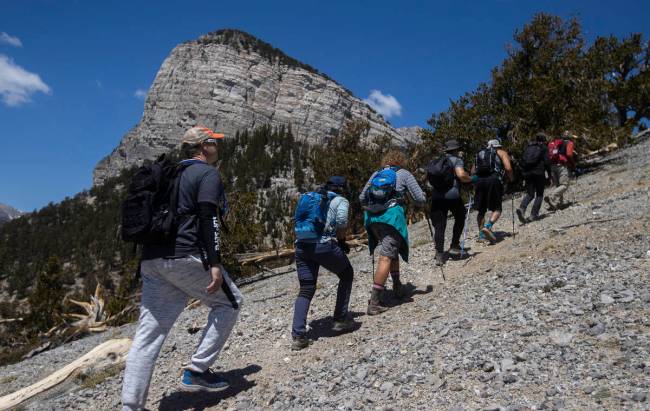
[(173, 201)]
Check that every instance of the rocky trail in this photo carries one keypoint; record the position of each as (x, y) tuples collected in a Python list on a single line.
[(557, 317)]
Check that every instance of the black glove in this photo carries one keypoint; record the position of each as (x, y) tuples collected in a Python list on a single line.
[(343, 246)]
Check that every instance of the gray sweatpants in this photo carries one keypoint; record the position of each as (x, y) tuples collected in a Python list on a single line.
[(166, 286), (560, 177)]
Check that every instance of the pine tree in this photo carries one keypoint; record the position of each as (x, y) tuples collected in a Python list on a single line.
[(46, 301)]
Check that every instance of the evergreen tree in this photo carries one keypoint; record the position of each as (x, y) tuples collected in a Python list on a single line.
[(46, 301)]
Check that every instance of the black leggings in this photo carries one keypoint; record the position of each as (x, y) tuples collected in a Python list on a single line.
[(534, 189), (439, 210)]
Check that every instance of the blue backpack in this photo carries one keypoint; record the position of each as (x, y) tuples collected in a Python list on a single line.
[(311, 214), (383, 186)]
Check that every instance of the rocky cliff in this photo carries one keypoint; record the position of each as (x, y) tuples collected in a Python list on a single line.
[(230, 81)]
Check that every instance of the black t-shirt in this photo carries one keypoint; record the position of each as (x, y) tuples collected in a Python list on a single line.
[(200, 183)]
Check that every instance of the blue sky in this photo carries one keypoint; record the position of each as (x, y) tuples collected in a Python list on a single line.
[(83, 64)]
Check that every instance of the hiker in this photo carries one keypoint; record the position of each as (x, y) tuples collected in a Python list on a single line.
[(322, 245), (491, 167), (445, 175), (385, 221), (534, 163), (561, 153), (188, 267)]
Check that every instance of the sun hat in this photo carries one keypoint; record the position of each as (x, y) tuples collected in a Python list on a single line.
[(451, 145)]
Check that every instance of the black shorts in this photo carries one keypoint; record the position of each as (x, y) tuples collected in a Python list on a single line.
[(488, 194)]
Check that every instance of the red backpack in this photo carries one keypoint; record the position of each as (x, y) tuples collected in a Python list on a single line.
[(557, 151)]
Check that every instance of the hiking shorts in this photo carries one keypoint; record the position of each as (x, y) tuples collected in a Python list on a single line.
[(488, 194), (389, 240)]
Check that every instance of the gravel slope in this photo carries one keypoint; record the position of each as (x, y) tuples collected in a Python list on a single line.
[(553, 318)]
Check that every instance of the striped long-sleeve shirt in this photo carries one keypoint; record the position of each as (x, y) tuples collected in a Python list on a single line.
[(405, 183)]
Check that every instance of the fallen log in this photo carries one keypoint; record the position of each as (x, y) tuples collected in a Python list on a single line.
[(10, 320), (110, 353), (271, 255), (604, 150), (37, 350)]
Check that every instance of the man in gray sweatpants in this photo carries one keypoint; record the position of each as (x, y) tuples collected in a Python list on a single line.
[(189, 267)]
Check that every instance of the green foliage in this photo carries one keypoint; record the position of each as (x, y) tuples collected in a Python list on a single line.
[(244, 234), (552, 82), (251, 160), (46, 300), (127, 286), (350, 155)]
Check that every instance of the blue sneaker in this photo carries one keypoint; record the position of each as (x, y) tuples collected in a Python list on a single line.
[(206, 381)]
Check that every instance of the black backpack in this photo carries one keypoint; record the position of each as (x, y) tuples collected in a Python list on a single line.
[(486, 162), (440, 173), (533, 155), (149, 211)]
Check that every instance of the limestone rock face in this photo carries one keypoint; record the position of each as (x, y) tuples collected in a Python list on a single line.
[(229, 81), (410, 134)]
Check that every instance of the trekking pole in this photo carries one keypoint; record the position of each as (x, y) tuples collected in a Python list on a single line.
[(512, 209), (462, 244), (426, 216)]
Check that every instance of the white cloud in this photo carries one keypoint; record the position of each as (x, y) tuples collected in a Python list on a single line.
[(384, 104), (10, 40), (17, 84), (141, 94)]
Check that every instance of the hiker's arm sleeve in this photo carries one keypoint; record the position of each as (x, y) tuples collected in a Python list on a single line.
[(208, 196), (342, 214), (209, 232), (362, 197), (414, 189)]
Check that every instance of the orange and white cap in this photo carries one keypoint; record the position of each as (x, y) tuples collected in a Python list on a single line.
[(200, 134)]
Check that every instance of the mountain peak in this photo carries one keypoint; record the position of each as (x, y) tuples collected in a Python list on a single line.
[(242, 40), (8, 213)]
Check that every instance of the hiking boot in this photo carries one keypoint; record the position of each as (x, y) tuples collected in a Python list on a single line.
[(203, 381), (440, 259), (454, 251), (398, 291), (489, 234), (551, 206), (374, 306), (343, 325), (532, 218), (520, 216), (299, 343)]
